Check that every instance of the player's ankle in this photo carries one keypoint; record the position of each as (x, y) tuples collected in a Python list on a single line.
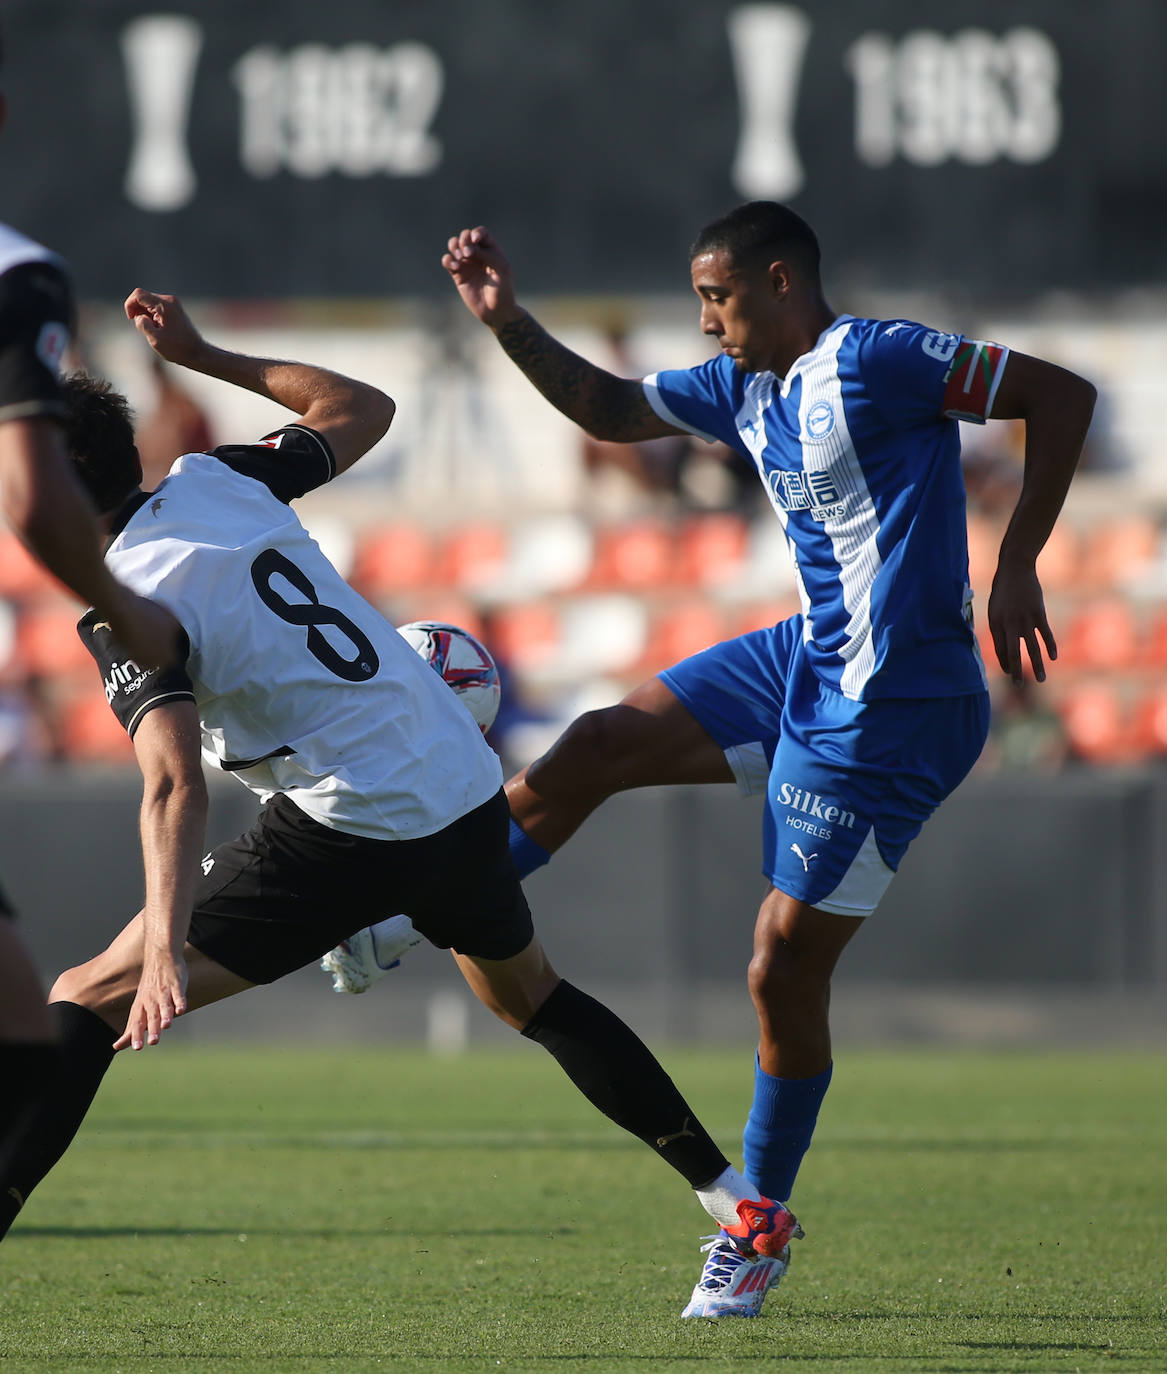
[(721, 1196)]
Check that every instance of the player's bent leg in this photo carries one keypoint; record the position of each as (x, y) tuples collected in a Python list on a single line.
[(106, 985), (513, 989), (618, 1074), (649, 739)]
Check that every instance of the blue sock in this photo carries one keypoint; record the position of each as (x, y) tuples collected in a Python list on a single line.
[(778, 1131), (526, 855)]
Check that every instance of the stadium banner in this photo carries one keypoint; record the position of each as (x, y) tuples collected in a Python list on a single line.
[(281, 148)]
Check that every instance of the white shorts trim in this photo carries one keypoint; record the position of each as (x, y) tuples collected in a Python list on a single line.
[(863, 885), (751, 769)]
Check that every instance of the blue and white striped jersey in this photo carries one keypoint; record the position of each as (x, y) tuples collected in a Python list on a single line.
[(859, 451)]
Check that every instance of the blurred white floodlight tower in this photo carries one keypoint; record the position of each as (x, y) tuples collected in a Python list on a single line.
[(161, 52), (768, 43)]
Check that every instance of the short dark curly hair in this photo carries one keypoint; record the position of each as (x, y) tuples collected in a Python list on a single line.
[(99, 434), (759, 232)]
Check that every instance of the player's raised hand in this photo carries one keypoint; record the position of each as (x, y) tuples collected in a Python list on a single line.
[(1017, 616), (166, 326), (483, 276)]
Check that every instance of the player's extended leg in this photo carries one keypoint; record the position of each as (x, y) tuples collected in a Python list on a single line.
[(683, 726), (618, 1074), (648, 740), (89, 1005)]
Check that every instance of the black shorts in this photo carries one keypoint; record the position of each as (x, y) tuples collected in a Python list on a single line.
[(6, 907), (290, 889)]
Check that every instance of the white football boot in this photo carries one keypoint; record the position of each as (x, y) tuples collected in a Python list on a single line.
[(366, 957), (734, 1282)]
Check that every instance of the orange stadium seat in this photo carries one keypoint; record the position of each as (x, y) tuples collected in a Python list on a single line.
[(20, 574), (1102, 635), (681, 630), (635, 557), (526, 635), (1151, 721), (1096, 723), (392, 558), (1155, 640), (89, 732), (712, 549), (47, 641), (471, 555)]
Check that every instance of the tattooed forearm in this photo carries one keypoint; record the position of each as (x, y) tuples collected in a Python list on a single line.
[(608, 407)]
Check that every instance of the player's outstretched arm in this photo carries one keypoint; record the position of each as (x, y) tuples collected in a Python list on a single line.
[(1056, 406), (351, 415), (173, 828), (47, 509), (606, 406)]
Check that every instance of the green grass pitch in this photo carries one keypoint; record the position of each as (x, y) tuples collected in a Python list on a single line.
[(343, 1210)]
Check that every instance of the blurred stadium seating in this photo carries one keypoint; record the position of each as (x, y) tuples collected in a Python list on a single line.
[(573, 607)]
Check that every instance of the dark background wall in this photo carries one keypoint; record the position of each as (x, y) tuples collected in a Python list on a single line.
[(284, 148), (1020, 893)]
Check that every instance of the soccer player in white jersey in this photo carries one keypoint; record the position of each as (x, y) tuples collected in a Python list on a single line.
[(379, 790), (46, 508), (863, 712)]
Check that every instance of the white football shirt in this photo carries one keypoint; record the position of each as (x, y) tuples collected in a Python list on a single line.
[(301, 686)]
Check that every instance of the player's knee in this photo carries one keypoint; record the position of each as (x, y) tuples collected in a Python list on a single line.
[(780, 981), (71, 986), (84, 986), (588, 757), (771, 973)]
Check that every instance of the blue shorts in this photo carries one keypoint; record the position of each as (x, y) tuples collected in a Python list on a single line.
[(849, 783)]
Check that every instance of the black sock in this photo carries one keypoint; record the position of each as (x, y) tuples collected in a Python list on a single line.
[(26, 1072), (617, 1073), (26, 1067), (86, 1050)]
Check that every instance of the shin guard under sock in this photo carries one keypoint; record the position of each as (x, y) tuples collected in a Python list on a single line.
[(779, 1129), (617, 1073)]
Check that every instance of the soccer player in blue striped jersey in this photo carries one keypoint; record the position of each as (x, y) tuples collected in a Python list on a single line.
[(860, 714)]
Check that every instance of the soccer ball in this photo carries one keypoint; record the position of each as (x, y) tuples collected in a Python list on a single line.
[(463, 661)]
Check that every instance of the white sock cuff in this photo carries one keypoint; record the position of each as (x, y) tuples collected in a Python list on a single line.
[(721, 1197)]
